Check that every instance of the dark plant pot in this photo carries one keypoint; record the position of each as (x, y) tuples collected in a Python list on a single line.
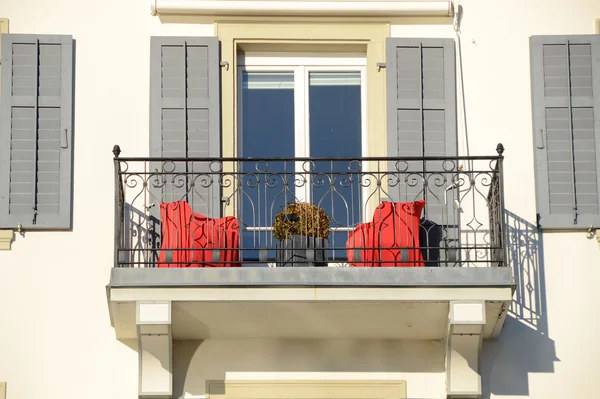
[(301, 251)]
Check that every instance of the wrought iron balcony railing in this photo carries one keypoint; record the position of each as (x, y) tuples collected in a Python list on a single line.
[(220, 212)]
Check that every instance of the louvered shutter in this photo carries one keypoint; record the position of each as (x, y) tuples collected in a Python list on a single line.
[(421, 122), (565, 78), (36, 135), (421, 103), (185, 119)]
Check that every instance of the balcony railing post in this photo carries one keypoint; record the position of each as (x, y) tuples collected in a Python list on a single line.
[(119, 201), (503, 233)]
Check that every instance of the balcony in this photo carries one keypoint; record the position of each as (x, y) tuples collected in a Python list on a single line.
[(369, 248), (185, 227)]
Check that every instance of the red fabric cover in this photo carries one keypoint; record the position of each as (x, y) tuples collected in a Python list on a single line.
[(395, 226), (364, 238), (398, 225), (197, 236)]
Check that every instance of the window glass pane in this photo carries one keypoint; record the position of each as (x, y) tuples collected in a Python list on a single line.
[(335, 132), (267, 130)]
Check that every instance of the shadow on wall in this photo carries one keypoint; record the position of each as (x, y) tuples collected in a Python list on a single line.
[(523, 346), (195, 362)]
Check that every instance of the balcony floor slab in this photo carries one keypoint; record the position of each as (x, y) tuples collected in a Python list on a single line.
[(312, 277), (309, 303)]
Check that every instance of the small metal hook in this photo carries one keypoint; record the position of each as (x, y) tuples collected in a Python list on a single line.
[(20, 230)]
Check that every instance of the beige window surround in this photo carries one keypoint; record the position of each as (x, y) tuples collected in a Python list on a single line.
[(369, 38), (351, 389), (3, 25)]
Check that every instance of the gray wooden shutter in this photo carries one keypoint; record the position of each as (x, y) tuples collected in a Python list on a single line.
[(421, 122), (421, 117), (185, 118), (565, 79), (36, 135)]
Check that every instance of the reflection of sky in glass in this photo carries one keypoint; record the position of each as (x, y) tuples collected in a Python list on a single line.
[(267, 121), (335, 131), (267, 131)]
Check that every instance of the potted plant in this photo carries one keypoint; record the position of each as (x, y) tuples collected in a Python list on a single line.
[(302, 230)]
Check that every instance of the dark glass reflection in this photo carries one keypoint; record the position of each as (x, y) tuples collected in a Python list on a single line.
[(267, 130), (335, 131)]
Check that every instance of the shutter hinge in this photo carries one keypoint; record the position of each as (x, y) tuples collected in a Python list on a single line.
[(224, 64), (35, 213), (380, 65)]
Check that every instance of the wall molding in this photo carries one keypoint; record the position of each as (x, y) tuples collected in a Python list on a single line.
[(303, 7)]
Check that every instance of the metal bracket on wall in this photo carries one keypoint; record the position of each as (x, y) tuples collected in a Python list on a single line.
[(224, 64), (380, 65), (593, 232)]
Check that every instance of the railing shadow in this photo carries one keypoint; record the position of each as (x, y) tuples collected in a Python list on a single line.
[(523, 346), (142, 233)]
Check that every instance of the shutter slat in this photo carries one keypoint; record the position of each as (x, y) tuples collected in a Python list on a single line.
[(185, 105), (37, 103)]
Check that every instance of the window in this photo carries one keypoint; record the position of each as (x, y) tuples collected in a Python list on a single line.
[(565, 78), (299, 107), (194, 114), (36, 135)]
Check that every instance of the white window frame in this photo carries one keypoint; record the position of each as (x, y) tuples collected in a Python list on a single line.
[(301, 65)]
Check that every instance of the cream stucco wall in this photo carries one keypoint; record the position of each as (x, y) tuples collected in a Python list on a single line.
[(420, 363), (55, 334)]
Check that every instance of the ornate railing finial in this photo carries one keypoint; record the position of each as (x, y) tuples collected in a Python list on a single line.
[(500, 149), (116, 151)]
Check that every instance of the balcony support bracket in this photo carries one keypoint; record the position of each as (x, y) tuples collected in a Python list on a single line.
[(153, 323), (466, 321)]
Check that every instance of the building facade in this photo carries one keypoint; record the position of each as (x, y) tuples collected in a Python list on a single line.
[(114, 112)]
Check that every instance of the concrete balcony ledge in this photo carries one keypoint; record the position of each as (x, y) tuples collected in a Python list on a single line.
[(254, 277), (308, 302)]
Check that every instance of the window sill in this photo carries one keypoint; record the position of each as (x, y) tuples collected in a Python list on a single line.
[(6, 239)]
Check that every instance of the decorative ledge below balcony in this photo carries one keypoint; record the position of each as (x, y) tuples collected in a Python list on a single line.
[(459, 306)]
